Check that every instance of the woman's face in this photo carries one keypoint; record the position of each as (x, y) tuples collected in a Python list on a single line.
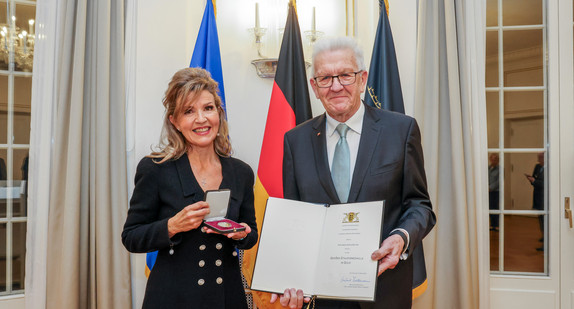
[(199, 120)]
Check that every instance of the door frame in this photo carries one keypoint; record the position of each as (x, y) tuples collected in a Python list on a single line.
[(543, 291), (566, 105)]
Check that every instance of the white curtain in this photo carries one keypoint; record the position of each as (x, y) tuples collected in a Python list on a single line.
[(78, 193), (138, 263), (450, 108), (41, 128)]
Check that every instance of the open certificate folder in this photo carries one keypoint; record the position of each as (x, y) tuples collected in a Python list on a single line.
[(325, 250)]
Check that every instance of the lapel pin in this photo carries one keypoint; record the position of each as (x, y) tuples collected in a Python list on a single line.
[(318, 133)]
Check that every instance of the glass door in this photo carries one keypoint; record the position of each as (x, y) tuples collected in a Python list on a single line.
[(523, 127), (17, 34), (517, 118)]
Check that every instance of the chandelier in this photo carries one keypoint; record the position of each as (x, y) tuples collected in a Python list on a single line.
[(19, 43)]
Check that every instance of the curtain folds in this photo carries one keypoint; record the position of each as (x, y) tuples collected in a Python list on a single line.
[(84, 203), (41, 128), (450, 108)]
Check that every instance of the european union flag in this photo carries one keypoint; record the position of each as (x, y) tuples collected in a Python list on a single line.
[(206, 55), (384, 85), (149, 262)]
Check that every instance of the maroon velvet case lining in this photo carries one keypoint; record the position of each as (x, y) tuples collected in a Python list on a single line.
[(224, 226)]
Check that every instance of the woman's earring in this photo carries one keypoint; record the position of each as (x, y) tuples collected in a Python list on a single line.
[(218, 134)]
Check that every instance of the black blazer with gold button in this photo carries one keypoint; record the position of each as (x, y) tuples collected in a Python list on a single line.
[(203, 271)]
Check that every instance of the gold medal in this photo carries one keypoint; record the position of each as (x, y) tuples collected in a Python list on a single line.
[(224, 224)]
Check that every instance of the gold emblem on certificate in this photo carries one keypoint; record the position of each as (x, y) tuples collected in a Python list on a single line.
[(224, 224), (351, 217)]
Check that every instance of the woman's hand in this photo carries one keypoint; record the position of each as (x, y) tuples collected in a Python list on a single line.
[(235, 236), (188, 218), (241, 234)]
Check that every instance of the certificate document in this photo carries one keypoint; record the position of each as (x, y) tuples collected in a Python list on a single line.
[(325, 250)]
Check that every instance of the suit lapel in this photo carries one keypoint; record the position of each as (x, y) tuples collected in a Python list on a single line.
[(189, 185), (367, 145), (319, 142)]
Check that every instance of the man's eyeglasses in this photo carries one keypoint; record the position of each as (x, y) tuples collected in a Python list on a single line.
[(345, 79)]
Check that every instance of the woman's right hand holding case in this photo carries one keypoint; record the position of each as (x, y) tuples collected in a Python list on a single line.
[(188, 218)]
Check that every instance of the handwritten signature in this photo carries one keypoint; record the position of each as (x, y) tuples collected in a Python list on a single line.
[(354, 279)]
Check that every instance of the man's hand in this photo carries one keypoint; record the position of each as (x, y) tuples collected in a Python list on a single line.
[(389, 253), (291, 297)]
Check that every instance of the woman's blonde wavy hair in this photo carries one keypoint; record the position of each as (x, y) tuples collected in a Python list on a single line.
[(186, 85)]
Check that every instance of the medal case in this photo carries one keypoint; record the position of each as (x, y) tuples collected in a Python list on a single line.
[(218, 201)]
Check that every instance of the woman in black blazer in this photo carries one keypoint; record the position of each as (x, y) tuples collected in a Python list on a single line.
[(195, 267)]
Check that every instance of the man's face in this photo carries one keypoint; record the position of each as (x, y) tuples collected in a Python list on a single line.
[(494, 159), (541, 158), (340, 102)]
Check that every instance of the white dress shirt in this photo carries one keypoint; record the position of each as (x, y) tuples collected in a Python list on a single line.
[(355, 124)]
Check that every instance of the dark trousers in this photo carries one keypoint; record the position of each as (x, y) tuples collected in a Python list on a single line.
[(541, 223), (493, 203), (333, 304)]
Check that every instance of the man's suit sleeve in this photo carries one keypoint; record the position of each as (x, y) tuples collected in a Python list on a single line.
[(418, 218), (290, 190)]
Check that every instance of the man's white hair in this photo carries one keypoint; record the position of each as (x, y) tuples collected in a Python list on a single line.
[(339, 43)]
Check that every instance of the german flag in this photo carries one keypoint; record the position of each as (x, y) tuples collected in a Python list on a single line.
[(289, 107)]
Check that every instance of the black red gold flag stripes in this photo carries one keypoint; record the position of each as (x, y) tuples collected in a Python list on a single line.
[(289, 106)]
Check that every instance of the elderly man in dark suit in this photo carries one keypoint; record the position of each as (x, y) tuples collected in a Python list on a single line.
[(356, 153)]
